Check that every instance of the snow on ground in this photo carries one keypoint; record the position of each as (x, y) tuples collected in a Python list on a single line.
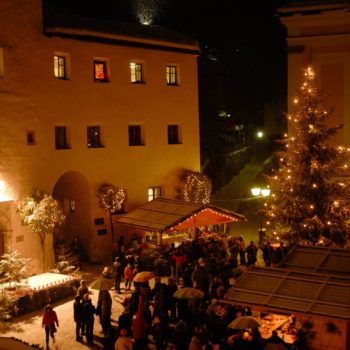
[(28, 327)]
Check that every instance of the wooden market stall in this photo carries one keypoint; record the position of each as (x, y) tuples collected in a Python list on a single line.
[(167, 216), (320, 303), (325, 260)]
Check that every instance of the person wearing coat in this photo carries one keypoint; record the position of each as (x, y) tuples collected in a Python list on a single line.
[(48, 322), (88, 312), (268, 254), (78, 318), (200, 278), (128, 276), (139, 331), (104, 310), (118, 270), (252, 251), (281, 253), (123, 342)]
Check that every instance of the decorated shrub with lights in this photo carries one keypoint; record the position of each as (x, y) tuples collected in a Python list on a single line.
[(111, 199), (194, 187), (309, 195)]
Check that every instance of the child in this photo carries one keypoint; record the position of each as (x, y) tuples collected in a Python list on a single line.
[(49, 320), (127, 276)]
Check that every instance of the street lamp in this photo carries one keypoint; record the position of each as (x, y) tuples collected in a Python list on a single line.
[(261, 193)]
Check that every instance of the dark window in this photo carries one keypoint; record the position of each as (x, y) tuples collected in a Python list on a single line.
[(101, 232), (154, 192), (171, 75), (173, 134), (99, 221), (30, 138), (61, 137), (135, 135), (60, 67), (94, 137), (136, 72), (100, 71)]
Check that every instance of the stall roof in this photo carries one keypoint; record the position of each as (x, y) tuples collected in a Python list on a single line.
[(163, 214), (286, 291), (329, 261)]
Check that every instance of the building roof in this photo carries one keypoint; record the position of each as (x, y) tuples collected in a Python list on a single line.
[(286, 291), (311, 6), (163, 214), (68, 25), (328, 261)]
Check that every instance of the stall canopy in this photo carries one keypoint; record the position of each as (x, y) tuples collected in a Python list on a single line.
[(286, 291), (166, 215), (334, 261)]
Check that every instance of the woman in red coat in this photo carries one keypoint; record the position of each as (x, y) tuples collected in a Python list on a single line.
[(49, 320)]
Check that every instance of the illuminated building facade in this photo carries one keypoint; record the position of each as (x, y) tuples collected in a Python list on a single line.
[(318, 32), (85, 102)]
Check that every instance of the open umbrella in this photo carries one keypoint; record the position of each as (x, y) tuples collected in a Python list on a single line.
[(143, 276), (188, 294), (102, 284), (245, 322)]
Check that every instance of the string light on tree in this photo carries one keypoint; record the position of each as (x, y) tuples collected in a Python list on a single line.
[(311, 164)]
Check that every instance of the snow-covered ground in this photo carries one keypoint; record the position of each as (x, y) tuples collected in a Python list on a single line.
[(28, 327)]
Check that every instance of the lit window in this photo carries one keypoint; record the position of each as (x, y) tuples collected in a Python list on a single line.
[(171, 75), (136, 72), (30, 138), (173, 134), (1, 63), (100, 71), (94, 137), (135, 135), (61, 137), (59, 67), (154, 192)]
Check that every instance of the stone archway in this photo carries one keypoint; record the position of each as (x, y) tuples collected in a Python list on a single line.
[(73, 192)]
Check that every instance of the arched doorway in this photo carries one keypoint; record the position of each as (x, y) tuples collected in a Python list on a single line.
[(73, 192)]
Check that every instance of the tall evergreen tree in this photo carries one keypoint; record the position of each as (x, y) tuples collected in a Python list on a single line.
[(310, 191)]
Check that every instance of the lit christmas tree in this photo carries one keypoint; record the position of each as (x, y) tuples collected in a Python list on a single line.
[(310, 192)]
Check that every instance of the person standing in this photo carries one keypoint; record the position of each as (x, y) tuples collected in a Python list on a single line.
[(200, 277), (78, 318), (268, 254), (118, 270), (281, 253), (241, 250), (104, 310), (128, 276), (88, 312), (178, 259), (83, 289), (48, 322), (252, 251)]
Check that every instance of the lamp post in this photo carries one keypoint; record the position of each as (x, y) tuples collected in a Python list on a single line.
[(261, 193)]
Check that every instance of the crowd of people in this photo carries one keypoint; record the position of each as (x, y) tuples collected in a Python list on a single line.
[(154, 314)]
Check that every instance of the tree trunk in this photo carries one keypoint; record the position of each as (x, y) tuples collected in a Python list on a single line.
[(112, 228), (42, 241)]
